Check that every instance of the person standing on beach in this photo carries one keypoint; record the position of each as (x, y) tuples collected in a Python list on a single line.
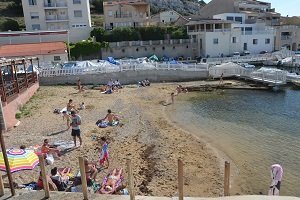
[(104, 155), (172, 97), (76, 122)]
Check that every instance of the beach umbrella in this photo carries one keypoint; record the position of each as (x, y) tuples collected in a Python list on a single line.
[(19, 159)]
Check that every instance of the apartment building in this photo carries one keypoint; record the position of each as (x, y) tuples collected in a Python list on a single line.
[(255, 11), (58, 15), (228, 33), (164, 18), (133, 13), (288, 36)]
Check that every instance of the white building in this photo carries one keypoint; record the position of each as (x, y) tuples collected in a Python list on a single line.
[(227, 33), (73, 15), (164, 17)]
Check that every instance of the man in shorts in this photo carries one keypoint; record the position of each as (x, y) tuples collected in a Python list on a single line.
[(76, 122)]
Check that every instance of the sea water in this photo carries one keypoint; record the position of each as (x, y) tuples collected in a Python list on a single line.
[(254, 129)]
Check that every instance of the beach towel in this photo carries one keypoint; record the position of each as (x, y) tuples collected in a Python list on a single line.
[(101, 124), (104, 155), (276, 175)]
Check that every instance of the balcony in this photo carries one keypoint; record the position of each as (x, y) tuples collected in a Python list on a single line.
[(51, 18), (286, 37), (123, 15), (56, 5)]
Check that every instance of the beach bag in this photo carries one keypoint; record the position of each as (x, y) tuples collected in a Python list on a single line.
[(49, 159)]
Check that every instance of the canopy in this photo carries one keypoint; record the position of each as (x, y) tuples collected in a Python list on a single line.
[(154, 58), (19, 159)]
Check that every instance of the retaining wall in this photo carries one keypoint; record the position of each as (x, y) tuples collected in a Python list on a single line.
[(10, 108), (127, 77)]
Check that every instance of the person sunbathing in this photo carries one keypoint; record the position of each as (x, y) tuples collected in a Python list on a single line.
[(60, 178), (47, 149), (111, 118), (110, 186)]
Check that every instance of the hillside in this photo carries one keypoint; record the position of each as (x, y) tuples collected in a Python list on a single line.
[(291, 21)]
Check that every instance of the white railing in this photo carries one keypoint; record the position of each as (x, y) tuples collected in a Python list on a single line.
[(50, 72), (251, 58)]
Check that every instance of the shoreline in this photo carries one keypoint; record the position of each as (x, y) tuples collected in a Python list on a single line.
[(147, 137)]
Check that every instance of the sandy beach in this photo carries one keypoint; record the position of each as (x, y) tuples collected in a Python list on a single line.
[(148, 138)]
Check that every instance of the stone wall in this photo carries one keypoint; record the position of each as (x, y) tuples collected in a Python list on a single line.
[(128, 77)]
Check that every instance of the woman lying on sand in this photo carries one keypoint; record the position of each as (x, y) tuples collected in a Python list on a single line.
[(110, 185)]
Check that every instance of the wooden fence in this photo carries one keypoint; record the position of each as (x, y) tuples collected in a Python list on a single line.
[(14, 81)]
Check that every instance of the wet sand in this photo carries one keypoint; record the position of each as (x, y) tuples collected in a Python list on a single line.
[(148, 138)]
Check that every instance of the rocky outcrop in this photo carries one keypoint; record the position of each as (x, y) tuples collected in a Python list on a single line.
[(182, 6)]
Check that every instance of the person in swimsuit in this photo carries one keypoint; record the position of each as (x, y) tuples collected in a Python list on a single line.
[(90, 170), (111, 118), (110, 186), (47, 149), (71, 106), (68, 118)]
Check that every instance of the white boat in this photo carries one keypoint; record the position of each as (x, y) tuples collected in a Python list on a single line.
[(246, 65)]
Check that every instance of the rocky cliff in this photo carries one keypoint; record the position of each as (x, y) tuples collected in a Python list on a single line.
[(184, 7)]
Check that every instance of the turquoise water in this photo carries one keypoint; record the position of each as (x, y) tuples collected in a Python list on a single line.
[(254, 129)]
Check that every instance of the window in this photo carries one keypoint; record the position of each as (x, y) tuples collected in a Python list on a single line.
[(32, 2), (229, 18), (233, 39), (267, 41), (248, 30), (76, 1), (110, 13), (255, 41), (36, 27), (34, 15), (77, 13), (216, 40), (238, 19), (163, 48), (57, 58)]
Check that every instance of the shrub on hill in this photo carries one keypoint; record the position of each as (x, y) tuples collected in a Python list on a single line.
[(10, 24), (142, 33)]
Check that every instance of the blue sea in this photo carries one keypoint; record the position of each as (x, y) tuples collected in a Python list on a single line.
[(252, 129)]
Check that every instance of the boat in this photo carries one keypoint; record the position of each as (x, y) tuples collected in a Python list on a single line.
[(246, 65)]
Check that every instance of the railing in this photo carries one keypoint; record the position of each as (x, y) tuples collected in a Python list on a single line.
[(56, 17), (123, 67), (123, 15), (14, 86), (251, 58), (51, 5)]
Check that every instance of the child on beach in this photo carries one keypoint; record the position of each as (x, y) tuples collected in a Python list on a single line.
[(82, 106), (104, 155), (68, 118)]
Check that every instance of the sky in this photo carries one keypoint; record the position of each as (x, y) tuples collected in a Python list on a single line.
[(285, 7)]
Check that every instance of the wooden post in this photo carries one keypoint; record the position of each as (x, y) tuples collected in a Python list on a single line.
[(44, 176), (13, 64), (3, 86), (1, 186), (227, 179), (180, 180), (26, 78), (83, 178), (3, 148), (130, 179)]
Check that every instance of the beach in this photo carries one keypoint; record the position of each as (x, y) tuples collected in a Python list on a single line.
[(148, 137)]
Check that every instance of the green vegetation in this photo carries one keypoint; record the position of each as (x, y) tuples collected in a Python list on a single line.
[(143, 33), (86, 48), (11, 11), (24, 112)]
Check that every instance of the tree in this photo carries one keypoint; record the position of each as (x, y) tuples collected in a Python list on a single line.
[(10, 24), (86, 48), (98, 6), (98, 33), (15, 7), (180, 33)]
